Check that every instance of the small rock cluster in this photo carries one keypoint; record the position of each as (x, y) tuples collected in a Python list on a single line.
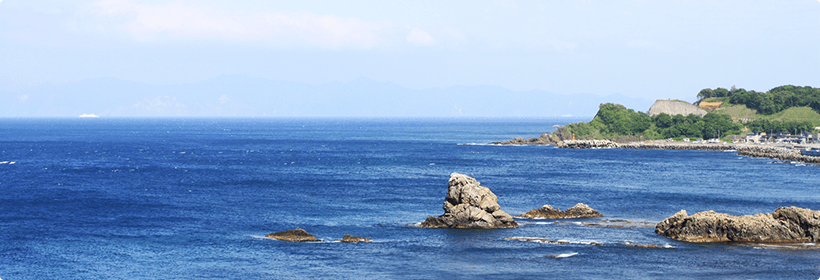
[(300, 235), (580, 210), (587, 144)]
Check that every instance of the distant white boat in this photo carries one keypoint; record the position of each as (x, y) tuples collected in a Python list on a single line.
[(89, 116)]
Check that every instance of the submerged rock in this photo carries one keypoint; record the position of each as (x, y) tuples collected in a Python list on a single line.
[(786, 224), (580, 210), (353, 239), (294, 235), (470, 205)]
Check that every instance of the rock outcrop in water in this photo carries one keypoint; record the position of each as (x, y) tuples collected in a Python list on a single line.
[(294, 235), (544, 139), (580, 210), (353, 239), (786, 224), (470, 205)]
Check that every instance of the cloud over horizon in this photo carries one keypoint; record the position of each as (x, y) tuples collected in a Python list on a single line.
[(176, 21)]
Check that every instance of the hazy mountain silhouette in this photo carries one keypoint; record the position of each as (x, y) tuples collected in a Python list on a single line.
[(248, 96)]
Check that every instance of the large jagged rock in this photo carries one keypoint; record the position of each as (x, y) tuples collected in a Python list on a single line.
[(786, 224), (470, 205), (580, 210), (294, 235)]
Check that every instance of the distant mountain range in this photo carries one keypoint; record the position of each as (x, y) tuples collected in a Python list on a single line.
[(244, 96)]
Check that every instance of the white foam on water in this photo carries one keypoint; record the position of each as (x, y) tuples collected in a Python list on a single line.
[(567, 255), (3, 162), (730, 151), (578, 242), (538, 223)]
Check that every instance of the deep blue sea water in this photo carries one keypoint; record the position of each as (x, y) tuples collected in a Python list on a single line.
[(192, 198)]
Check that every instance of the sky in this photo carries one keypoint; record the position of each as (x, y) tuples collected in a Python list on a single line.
[(638, 48)]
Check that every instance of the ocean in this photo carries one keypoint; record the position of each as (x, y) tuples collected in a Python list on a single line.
[(193, 199)]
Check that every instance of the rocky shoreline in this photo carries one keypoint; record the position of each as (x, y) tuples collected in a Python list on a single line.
[(779, 152)]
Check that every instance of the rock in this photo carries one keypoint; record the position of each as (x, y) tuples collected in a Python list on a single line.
[(470, 205), (550, 241), (580, 210), (786, 224), (587, 144), (674, 107), (353, 239), (294, 235)]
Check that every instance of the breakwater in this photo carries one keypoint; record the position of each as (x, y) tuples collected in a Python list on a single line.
[(749, 150)]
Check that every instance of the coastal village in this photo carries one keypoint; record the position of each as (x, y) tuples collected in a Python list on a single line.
[(800, 146)]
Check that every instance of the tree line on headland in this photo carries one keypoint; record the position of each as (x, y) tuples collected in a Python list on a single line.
[(773, 101), (614, 120)]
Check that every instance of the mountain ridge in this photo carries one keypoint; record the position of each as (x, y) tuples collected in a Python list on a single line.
[(240, 95)]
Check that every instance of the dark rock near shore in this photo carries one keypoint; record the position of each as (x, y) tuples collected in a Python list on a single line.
[(470, 205), (294, 235), (580, 210), (786, 224), (544, 139), (353, 239)]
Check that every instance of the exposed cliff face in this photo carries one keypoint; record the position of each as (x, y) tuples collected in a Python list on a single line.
[(786, 224), (674, 107), (470, 205)]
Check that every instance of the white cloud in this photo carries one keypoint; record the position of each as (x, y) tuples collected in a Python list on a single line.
[(420, 38), (181, 21)]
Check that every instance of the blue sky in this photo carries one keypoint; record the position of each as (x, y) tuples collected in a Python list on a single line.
[(646, 49)]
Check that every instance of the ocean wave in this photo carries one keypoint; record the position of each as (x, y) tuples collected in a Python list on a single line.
[(787, 246), (551, 241), (565, 255), (633, 244)]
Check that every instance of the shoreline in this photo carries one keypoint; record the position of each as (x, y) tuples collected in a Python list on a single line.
[(774, 151)]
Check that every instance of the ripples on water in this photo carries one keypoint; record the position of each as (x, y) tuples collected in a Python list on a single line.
[(193, 198)]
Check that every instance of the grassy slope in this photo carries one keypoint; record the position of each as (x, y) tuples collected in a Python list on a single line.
[(791, 114)]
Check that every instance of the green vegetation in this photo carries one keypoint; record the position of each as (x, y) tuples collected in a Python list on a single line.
[(773, 101), (782, 109), (791, 114), (615, 120)]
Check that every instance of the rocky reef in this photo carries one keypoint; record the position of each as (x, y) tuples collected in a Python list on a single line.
[(587, 144), (353, 239), (470, 205), (544, 139), (785, 224), (580, 210), (294, 235)]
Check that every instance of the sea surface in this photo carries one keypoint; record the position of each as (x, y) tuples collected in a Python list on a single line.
[(193, 199)]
